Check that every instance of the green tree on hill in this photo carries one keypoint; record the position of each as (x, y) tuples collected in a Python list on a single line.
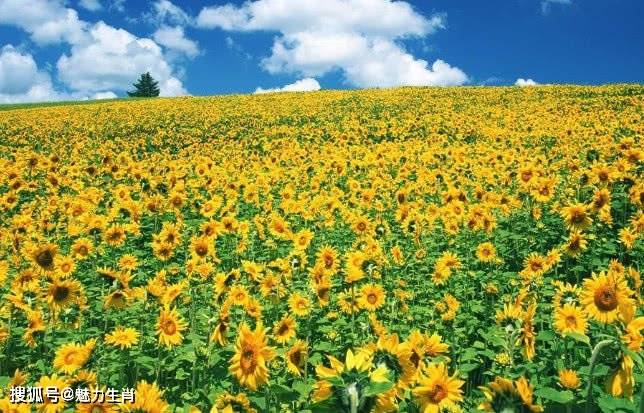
[(146, 86)]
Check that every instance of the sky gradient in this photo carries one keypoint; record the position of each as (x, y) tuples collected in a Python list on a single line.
[(80, 49)]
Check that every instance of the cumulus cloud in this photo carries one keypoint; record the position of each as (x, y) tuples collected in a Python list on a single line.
[(545, 4), (361, 38), (104, 95), (525, 82), (21, 80), (101, 57), (47, 21), (304, 85), (111, 59), (91, 5), (174, 38)]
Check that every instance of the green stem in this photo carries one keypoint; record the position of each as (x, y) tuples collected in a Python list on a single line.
[(593, 361)]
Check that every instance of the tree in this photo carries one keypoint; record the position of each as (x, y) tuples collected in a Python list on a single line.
[(146, 86)]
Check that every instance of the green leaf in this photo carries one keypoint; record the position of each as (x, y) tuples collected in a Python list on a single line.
[(546, 335), (579, 337), (374, 389), (467, 367), (549, 393)]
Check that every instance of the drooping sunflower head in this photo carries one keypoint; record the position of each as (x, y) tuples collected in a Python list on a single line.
[(504, 395), (284, 330), (569, 379), (296, 358), (44, 256)]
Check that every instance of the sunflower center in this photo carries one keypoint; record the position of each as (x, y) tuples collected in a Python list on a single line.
[(69, 358), (577, 217), (605, 299), (362, 226), (296, 357), (169, 327), (201, 250), (45, 258), (114, 236), (283, 329), (437, 393), (97, 409), (248, 360), (328, 262), (571, 321), (61, 293), (371, 298)]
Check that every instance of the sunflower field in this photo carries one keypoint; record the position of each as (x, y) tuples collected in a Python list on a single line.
[(414, 250)]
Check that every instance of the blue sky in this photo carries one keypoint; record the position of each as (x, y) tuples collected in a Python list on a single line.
[(79, 49)]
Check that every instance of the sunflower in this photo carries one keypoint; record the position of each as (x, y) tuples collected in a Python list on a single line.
[(601, 199), (65, 267), (361, 225), (576, 216), (202, 247), (372, 297), (570, 319), (284, 329), (115, 235), (576, 244), (486, 252), (278, 227), (96, 405), (72, 356), (633, 334), (252, 353), (299, 305), (437, 390), (169, 327), (504, 395), (227, 403), (44, 256), (63, 293), (35, 327), (568, 379), (302, 239), (606, 296), (149, 399), (395, 357), (565, 293), (122, 337), (295, 358), (52, 404), (622, 382)]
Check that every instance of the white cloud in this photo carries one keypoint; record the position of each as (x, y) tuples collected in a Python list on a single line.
[(101, 57), (47, 21), (91, 5), (104, 95), (304, 85), (174, 39), (20, 79), (525, 82), (545, 4), (361, 38), (167, 12), (112, 59)]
